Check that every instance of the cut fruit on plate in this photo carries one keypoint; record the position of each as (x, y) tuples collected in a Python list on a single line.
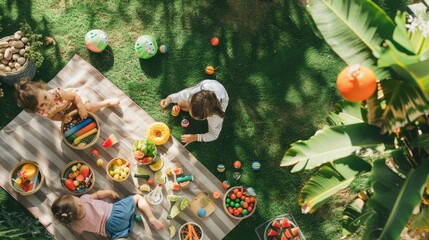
[(177, 207), (160, 177), (173, 198), (145, 188), (172, 229), (157, 165), (110, 141), (282, 228)]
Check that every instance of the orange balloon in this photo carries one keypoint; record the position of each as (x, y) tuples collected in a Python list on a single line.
[(356, 83)]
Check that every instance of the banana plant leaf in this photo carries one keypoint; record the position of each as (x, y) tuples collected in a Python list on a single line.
[(400, 35), (333, 143), (401, 104), (328, 180), (394, 197), (346, 113), (421, 220), (354, 29), (421, 141), (354, 216)]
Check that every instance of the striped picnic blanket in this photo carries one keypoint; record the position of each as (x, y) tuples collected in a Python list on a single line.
[(30, 137)]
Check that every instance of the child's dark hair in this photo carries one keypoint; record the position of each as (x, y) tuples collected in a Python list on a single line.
[(64, 208), (204, 104), (26, 94)]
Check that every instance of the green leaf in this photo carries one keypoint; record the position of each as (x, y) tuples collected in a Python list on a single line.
[(353, 217), (345, 113), (421, 141), (400, 35), (329, 180), (394, 198), (354, 29), (401, 104), (334, 143), (421, 220)]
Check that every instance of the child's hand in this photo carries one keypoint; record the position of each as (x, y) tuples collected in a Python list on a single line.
[(188, 138), (67, 118), (164, 103), (83, 113), (114, 194)]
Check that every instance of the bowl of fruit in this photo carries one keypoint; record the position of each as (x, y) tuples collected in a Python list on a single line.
[(118, 169), (239, 202), (283, 228), (191, 230), (77, 177), (80, 133), (26, 178), (145, 152)]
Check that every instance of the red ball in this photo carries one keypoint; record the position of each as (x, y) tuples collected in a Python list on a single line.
[(237, 164), (214, 41)]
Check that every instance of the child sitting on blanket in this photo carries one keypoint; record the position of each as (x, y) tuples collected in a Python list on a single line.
[(206, 101), (90, 214), (35, 97)]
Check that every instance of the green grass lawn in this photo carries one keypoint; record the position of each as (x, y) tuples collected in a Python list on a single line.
[(280, 78)]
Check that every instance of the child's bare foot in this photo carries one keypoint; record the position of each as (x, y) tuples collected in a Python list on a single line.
[(156, 223), (112, 102)]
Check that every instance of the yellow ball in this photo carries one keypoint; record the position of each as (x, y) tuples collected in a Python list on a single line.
[(100, 162)]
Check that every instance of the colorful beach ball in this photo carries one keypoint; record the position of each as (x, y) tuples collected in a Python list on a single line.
[(256, 166), (146, 46), (163, 48), (96, 40), (221, 168)]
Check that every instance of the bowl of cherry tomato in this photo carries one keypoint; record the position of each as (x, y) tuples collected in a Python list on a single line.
[(239, 203)]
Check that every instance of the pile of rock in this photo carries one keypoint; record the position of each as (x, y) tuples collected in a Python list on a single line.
[(12, 50)]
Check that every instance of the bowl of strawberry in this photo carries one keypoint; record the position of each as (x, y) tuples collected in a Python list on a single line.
[(144, 151), (239, 203), (77, 177)]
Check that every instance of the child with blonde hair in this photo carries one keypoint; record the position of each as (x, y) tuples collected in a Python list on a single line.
[(35, 97), (206, 101), (89, 213)]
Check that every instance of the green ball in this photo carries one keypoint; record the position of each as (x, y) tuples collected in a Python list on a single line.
[(138, 218), (146, 46)]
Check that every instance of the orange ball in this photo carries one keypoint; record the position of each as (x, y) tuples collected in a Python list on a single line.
[(214, 41), (210, 70), (356, 83)]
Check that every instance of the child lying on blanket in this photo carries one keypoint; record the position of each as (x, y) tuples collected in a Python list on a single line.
[(35, 97), (90, 214)]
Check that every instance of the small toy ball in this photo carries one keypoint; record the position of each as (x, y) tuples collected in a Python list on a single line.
[(226, 184), (221, 168), (100, 162), (216, 194), (256, 165), (96, 40), (237, 164), (138, 218), (184, 123), (214, 41), (356, 83), (163, 48), (175, 110), (94, 153), (202, 212), (210, 70), (236, 175), (146, 46)]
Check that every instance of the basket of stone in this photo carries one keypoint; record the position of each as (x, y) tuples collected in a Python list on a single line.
[(14, 66)]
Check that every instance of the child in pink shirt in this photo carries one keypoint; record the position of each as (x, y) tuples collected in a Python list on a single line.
[(90, 214)]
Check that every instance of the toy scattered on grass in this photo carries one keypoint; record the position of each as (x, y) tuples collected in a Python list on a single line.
[(238, 203), (96, 40), (226, 184), (216, 194), (236, 176), (163, 48), (175, 110), (110, 141), (77, 177), (210, 70), (158, 133), (256, 166), (146, 46), (221, 168), (356, 83), (94, 153), (214, 41), (184, 123), (237, 164), (100, 162)]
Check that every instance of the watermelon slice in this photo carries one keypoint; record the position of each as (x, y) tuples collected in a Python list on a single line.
[(272, 233), (287, 233), (110, 141), (285, 223), (295, 231), (283, 237), (276, 224)]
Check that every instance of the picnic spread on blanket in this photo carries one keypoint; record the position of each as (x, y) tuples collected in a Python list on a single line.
[(123, 149)]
